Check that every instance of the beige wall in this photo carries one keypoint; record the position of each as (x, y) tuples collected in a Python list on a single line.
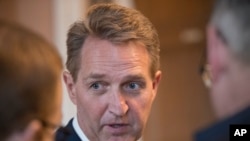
[(8, 10), (33, 14), (182, 105)]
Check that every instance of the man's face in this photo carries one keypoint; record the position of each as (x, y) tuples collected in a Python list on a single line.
[(229, 87), (113, 91)]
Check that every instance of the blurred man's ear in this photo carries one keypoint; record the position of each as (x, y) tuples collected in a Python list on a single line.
[(28, 134), (217, 53), (32, 130), (69, 82)]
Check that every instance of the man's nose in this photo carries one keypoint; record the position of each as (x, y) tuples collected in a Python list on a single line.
[(118, 105)]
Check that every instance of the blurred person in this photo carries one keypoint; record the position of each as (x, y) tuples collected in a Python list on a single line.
[(30, 85), (112, 74), (228, 55)]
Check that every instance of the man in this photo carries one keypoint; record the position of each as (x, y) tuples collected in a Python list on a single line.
[(30, 85), (229, 64), (113, 74)]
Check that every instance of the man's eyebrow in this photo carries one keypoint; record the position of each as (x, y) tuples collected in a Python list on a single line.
[(101, 76), (135, 77), (94, 76)]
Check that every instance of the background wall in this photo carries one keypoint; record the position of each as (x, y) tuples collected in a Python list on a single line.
[(182, 104), (34, 14)]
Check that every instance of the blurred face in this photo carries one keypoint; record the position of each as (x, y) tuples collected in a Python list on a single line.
[(43, 129), (114, 91), (221, 87), (230, 91), (230, 78)]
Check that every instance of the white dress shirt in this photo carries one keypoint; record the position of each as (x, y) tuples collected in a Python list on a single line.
[(78, 130)]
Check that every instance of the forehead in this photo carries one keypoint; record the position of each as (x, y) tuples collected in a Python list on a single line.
[(102, 55)]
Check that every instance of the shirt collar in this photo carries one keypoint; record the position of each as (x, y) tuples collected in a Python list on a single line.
[(79, 130)]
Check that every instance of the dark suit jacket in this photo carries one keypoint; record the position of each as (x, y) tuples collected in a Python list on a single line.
[(221, 130), (67, 133)]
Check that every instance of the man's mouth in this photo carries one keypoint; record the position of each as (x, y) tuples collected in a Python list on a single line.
[(118, 128), (117, 125)]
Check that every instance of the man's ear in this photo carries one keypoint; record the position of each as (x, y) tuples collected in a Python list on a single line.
[(30, 132), (69, 82), (156, 82), (217, 53)]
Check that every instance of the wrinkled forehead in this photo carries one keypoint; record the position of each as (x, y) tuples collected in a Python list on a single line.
[(100, 55)]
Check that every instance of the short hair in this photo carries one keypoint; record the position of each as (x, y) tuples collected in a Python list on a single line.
[(116, 24), (232, 22), (30, 69)]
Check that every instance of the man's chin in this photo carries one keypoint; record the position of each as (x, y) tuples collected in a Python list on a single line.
[(120, 138)]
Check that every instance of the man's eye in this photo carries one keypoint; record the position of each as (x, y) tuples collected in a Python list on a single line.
[(133, 85), (96, 86)]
